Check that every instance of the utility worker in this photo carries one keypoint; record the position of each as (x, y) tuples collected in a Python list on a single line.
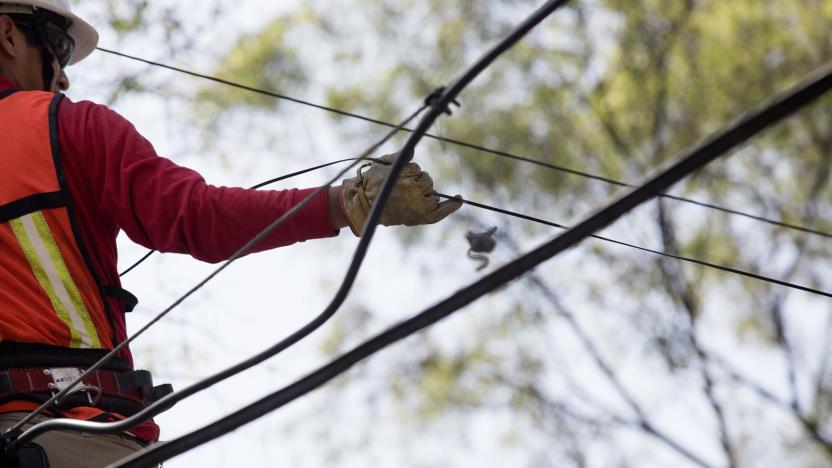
[(71, 176)]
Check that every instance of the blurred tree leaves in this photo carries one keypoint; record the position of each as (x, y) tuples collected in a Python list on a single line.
[(262, 60), (617, 88), (127, 16)]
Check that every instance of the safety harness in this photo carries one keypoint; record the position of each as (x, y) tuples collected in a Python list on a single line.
[(55, 316)]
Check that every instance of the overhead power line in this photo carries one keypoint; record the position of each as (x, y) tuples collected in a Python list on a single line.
[(165, 402), (439, 101), (464, 144), (559, 226), (724, 268), (815, 85)]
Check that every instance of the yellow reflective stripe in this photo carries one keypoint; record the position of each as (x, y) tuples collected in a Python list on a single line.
[(78, 308), (43, 254)]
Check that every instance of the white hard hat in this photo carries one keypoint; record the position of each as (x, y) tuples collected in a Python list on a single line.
[(84, 35)]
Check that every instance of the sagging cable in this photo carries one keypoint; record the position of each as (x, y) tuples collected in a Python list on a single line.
[(437, 107), (815, 85), (170, 399)]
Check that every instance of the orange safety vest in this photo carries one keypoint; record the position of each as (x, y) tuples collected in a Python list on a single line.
[(49, 292)]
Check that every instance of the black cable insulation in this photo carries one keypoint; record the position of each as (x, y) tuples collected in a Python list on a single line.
[(260, 185), (752, 123), (136, 265), (439, 103), (648, 250), (473, 146), (167, 401)]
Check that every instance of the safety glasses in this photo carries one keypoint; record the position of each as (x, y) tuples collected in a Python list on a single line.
[(60, 43)]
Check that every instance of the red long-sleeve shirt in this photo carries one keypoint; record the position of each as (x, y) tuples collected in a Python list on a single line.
[(118, 182)]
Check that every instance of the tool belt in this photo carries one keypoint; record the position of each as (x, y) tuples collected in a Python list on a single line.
[(125, 393)]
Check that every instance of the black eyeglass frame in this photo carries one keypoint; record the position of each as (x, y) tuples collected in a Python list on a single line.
[(58, 40)]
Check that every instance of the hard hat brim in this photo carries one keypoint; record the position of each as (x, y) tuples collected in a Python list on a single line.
[(84, 35)]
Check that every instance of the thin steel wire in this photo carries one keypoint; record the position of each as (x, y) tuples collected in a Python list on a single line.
[(163, 404), (439, 102), (715, 266), (483, 149), (752, 123), (260, 185)]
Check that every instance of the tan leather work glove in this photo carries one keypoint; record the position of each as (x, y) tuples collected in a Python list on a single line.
[(412, 202)]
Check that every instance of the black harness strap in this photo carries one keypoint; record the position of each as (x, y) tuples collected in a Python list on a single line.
[(125, 393), (73, 219), (31, 204), (20, 355), (30, 455), (127, 299)]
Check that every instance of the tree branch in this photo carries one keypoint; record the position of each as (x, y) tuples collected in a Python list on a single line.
[(809, 425), (678, 286), (643, 421)]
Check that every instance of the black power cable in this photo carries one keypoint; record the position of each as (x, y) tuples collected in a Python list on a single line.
[(648, 250), (439, 102), (464, 144), (815, 85), (166, 402)]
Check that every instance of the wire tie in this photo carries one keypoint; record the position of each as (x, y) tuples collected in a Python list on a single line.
[(434, 97)]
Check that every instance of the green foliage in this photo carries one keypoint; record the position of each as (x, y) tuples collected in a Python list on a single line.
[(127, 15), (263, 60), (617, 88)]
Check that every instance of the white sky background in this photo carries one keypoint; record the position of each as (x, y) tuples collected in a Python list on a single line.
[(265, 297)]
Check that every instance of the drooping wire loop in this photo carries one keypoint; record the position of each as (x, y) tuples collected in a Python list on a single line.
[(815, 85)]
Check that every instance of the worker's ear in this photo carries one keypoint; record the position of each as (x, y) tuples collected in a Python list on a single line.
[(9, 37)]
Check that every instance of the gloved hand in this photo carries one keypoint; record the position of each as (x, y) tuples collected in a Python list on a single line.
[(411, 203)]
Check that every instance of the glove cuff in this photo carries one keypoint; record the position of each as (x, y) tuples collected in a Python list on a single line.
[(354, 203)]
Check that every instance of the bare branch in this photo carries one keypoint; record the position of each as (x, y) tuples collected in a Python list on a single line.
[(678, 286), (642, 420), (810, 425)]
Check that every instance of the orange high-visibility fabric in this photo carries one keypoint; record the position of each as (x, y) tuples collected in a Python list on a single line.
[(26, 159), (27, 169)]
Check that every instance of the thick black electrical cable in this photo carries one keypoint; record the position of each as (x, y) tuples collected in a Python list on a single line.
[(439, 104), (260, 185), (165, 403), (484, 149), (815, 85), (648, 250)]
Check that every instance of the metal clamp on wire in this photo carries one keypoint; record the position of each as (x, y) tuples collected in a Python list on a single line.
[(434, 97)]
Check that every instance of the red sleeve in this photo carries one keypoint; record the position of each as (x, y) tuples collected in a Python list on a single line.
[(170, 208)]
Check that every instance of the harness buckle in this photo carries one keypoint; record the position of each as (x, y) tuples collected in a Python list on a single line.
[(62, 377)]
